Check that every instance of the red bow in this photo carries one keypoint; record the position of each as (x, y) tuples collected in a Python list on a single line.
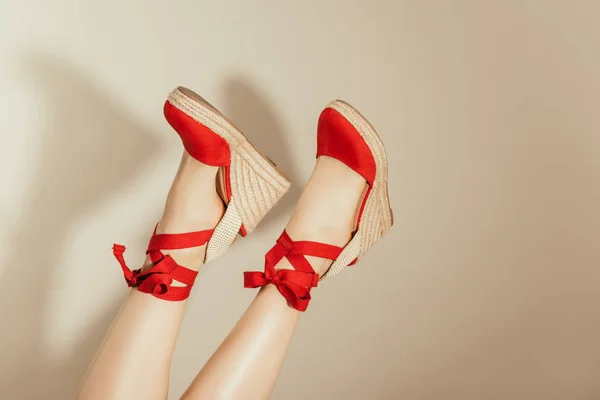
[(294, 285), (157, 280)]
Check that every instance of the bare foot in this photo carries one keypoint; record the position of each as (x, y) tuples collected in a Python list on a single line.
[(327, 209), (193, 204)]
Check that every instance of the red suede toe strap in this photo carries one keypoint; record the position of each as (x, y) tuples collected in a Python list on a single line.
[(158, 280), (339, 139), (294, 285)]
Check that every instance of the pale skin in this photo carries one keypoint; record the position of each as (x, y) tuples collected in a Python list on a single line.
[(135, 357)]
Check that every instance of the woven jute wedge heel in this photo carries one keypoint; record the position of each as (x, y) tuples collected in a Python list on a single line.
[(376, 217), (251, 182), (343, 134)]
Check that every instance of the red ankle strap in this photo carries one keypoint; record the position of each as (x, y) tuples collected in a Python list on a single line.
[(158, 279), (294, 285)]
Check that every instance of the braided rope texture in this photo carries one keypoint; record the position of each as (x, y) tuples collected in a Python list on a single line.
[(256, 184), (377, 217)]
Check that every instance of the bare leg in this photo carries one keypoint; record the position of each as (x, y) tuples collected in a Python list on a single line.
[(135, 358), (247, 363)]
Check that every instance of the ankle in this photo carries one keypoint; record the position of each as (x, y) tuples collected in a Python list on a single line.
[(334, 234), (182, 220), (189, 213)]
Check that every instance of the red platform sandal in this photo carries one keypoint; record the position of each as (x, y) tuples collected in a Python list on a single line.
[(344, 134), (249, 184)]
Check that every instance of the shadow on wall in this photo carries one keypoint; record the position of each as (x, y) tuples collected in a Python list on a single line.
[(247, 108), (89, 150)]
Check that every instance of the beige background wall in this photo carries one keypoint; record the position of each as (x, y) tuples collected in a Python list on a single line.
[(486, 288)]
